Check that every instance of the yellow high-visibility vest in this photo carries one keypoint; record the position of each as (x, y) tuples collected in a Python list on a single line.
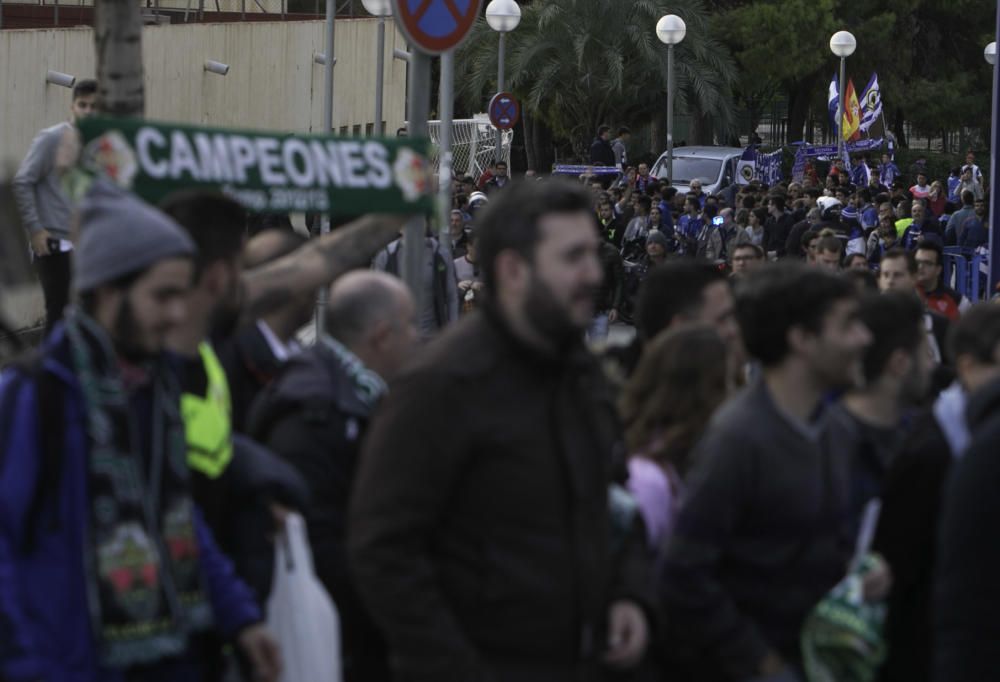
[(208, 420)]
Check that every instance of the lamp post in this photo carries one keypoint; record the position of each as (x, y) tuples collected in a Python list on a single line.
[(503, 16), (380, 9), (990, 55), (842, 44), (670, 29)]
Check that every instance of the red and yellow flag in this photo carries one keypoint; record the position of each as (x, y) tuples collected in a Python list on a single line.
[(851, 127)]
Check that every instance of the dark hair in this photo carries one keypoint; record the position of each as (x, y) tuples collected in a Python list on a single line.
[(899, 252), (216, 224), (863, 280), (771, 301), (778, 201), (603, 129), (624, 131), (85, 88), (977, 333), (511, 220), (710, 210), (673, 393), (691, 199), (87, 300), (929, 245), (813, 192), (261, 222), (761, 214), (865, 194), (672, 289), (848, 259), (499, 162), (645, 201), (968, 198), (896, 321)]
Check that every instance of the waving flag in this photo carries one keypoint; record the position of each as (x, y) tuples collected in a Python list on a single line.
[(833, 100), (746, 169), (871, 104), (852, 113)]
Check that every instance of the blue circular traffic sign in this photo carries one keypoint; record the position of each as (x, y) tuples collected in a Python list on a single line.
[(504, 111), (436, 26)]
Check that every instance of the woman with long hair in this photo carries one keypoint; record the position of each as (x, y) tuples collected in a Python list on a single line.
[(666, 405)]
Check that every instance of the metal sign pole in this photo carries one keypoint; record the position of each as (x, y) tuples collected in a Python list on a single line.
[(498, 154), (331, 17), (379, 75), (416, 229), (447, 109)]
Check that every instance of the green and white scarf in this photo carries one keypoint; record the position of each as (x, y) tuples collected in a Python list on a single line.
[(144, 579)]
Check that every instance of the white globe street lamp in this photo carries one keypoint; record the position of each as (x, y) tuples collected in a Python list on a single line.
[(503, 16), (670, 29), (990, 53), (842, 44)]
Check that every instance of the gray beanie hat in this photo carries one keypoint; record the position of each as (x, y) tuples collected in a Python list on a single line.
[(121, 234)]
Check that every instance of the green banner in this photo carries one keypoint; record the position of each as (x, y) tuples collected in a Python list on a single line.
[(266, 172)]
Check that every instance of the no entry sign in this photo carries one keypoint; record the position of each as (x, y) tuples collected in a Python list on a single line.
[(504, 111), (435, 26)]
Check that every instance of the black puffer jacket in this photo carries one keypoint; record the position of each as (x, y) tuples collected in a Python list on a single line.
[(314, 416)]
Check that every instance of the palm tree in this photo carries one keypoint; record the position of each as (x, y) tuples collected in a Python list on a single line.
[(118, 43), (578, 63)]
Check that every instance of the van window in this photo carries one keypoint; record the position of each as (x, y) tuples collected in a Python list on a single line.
[(691, 168)]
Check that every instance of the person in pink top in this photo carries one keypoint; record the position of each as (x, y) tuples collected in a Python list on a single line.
[(666, 405), (921, 190)]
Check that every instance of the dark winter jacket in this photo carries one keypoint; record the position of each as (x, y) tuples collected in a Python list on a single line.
[(612, 289), (760, 539), (911, 508), (314, 416), (479, 526), (966, 589), (602, 153)]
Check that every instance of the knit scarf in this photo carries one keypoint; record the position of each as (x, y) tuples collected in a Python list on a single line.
[(144, 581)]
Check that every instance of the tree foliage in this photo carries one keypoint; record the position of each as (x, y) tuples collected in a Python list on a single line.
[(578, 63)]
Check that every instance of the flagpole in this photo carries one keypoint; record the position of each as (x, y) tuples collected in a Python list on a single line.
[(840, 107)]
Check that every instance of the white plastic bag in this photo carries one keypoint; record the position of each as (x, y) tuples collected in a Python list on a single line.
[(300, 613)]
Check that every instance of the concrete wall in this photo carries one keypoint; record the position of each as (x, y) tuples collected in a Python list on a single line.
[(272, 84)]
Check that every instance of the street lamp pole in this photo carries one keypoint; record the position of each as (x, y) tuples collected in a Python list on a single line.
[(842, 44), (670, 30), (380, 9), (990, 54), (503, 16)]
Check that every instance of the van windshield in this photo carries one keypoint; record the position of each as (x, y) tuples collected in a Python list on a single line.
[(691, 168)]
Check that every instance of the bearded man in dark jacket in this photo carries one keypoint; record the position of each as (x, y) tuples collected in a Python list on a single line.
[(480, 536)]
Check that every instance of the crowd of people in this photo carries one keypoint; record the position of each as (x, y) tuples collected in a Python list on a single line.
[(489, 498)]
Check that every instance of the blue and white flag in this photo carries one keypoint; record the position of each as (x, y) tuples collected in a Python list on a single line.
[(871, 104), (833, 102), (769, 168), (799, 168), (746, 169)]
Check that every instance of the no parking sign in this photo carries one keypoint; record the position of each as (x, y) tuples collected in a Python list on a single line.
[(504, 111), (436, 26)]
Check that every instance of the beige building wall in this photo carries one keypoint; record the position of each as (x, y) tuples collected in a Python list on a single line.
[(272, 84)]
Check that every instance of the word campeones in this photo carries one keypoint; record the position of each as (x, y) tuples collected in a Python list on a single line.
[(227, 158)]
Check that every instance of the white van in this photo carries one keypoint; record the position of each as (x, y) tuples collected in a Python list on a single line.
[(715, 167)]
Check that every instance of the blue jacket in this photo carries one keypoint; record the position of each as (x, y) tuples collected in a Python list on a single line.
[(45, 626)]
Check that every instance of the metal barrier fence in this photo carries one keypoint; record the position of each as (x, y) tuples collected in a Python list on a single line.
[(967, 272)]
